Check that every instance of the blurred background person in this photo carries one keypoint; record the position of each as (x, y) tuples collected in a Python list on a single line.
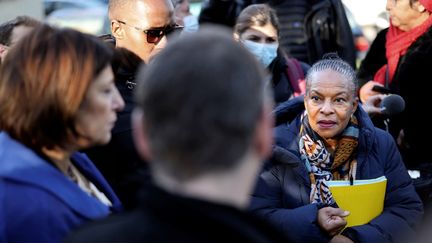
[(14, 30), (200, 193), (184, 17), (331, 138), (308, 28), (257, 27), (399, 60), (57, 96), (141, 27)]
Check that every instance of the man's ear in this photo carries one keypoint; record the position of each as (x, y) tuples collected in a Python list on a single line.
[(264, 132), (117, 29), (140, 134)]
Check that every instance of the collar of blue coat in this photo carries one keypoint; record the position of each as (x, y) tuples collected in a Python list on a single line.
[(20, 164)]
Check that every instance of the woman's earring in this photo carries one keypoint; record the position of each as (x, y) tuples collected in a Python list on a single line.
[(421, 8)]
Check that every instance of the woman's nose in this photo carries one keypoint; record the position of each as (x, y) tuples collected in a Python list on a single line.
[(327, 107), (389, 4), (118, 101)]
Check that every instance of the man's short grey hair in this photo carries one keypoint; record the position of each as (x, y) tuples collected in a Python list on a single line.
[(202, 97), (332, 62)]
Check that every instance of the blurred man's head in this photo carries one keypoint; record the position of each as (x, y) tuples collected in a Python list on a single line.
[(14, 30), (141, 25), (201, 108)]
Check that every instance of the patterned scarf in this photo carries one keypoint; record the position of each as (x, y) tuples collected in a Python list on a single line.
[(324, 165)]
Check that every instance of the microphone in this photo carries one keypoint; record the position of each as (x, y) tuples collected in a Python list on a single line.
[(392, 104)]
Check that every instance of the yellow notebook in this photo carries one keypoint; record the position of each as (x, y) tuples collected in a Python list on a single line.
[(364, 199)]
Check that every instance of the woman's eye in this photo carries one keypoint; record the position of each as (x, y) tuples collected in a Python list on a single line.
[(270, 40), (340, 100), (254, 38), (107, 90), (314, 98)]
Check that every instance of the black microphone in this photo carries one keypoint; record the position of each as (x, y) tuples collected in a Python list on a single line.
[(392, 105)]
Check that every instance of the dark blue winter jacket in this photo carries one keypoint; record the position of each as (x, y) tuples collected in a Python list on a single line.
[(282, 192)]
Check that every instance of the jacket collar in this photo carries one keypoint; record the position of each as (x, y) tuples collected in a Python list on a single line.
[(20, 164)]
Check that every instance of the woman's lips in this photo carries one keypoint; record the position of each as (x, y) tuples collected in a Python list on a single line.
[(326, 124)]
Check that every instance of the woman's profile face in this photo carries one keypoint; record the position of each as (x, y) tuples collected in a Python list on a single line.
[(329, 103), (98, 112), (403, 15)]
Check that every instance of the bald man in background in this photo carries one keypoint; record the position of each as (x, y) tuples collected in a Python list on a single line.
[(134, 23), (141, 27)]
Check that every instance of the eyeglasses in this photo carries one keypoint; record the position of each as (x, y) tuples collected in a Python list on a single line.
[(156, 34)]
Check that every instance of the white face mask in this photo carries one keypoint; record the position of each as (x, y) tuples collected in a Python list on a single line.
[(190, 23), (264, 52)]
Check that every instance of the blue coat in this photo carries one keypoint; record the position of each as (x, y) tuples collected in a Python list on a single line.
[(282, 192), (37, 202)]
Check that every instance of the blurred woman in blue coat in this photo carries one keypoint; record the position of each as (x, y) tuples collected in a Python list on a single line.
[(57, 96), (327, 136)]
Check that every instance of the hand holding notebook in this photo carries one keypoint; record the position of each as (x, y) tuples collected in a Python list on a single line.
[(364, 199)]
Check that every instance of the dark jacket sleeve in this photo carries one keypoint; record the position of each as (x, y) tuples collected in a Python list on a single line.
[(402, 206), (344, 36), (374, 60), (297, 223), (222, 12)]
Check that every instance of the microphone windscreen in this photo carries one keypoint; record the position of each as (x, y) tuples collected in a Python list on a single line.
[(392, 105)]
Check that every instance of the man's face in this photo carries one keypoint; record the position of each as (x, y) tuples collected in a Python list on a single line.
[(127, 25)]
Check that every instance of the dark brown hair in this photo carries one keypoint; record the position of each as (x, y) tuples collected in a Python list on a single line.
[(43, 82), (256, 14)]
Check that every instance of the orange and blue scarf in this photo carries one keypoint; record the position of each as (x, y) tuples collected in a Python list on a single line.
[(324, 165)]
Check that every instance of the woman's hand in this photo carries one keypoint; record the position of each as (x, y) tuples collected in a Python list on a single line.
[(332, 220), (366, 91), (341, 239), (372, 105)]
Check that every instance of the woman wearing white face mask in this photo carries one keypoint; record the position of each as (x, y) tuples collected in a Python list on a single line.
[(257, 28)]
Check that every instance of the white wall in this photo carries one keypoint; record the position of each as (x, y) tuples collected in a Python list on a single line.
[(366, 12)]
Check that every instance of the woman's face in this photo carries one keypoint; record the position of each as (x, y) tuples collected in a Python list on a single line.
[(329, 103), (405, 16), (97, 114), (266, 34)]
